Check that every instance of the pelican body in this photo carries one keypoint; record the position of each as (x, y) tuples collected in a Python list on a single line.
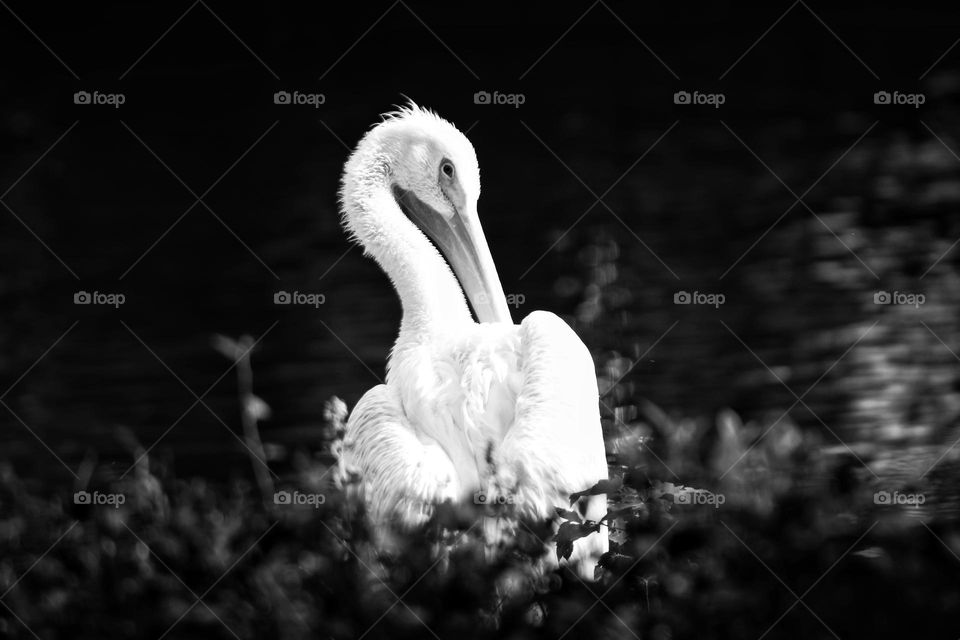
[(482, 411)]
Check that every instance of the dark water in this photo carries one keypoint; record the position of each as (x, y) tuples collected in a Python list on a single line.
[(685, 218)]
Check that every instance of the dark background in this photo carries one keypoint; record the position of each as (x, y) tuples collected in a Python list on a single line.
[(799, 400), (99, 211)]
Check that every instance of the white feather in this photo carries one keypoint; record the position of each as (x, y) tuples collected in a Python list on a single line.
[(461, 395)]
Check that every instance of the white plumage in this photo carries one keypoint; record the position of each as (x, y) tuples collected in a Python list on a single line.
[(506, 410)]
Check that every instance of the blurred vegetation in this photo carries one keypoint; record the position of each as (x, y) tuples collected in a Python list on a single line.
[(184, 558)]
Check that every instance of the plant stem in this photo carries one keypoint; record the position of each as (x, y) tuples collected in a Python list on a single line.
[(251, 432)]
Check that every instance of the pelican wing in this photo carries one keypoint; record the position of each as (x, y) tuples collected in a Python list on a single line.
[(403, 473), (555, 446)]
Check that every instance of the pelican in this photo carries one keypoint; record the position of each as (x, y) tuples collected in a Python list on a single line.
[(475, 411)]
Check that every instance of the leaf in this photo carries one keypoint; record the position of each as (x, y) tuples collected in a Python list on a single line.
[(566, 534), (609, 558), (604, 486), (621, 509), (569, 515), (569, 532), (618, 536)]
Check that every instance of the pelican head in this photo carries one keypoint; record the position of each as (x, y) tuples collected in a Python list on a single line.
[(412, 177)]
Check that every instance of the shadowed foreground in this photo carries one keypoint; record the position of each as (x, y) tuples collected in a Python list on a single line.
[(182, 558)]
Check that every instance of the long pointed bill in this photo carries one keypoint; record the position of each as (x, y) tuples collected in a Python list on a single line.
[(463, 244)]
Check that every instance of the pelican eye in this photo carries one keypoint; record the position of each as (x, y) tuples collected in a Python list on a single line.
[(446, 168)]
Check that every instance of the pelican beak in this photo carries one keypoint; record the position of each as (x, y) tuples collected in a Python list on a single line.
[(463, 244)]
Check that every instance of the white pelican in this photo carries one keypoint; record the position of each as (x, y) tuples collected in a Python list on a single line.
[(509, 412)]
